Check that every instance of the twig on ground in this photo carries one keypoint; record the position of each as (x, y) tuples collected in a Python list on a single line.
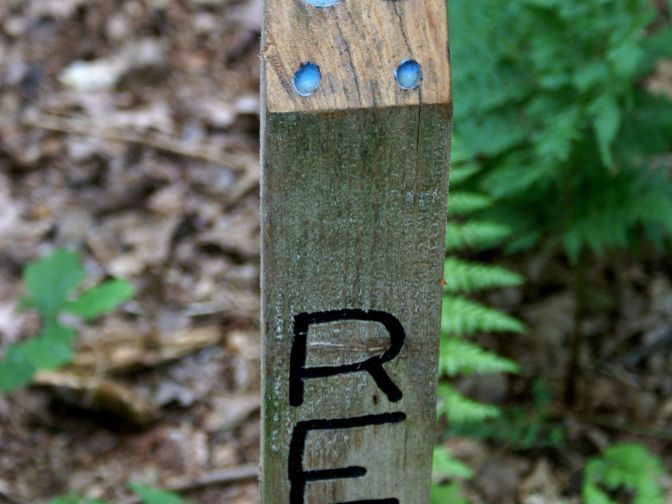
[(237, 474), (157, 141)]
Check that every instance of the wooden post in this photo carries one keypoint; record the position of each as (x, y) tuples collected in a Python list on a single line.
[(355, 152)]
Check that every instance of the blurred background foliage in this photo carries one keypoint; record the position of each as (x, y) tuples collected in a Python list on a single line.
[(549, 103), (562, 148)]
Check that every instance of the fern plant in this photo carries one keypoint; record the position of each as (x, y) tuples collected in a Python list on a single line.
[(518, 427), (548, 100), (463, 317), (50, 283), (629, 467), (445, 468)]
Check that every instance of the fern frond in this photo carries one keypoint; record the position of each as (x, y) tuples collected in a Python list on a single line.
[(462, 357), (552, 129), (445, 465), (462, 170), (464, 276), (560, 130), (460, 409), (464, 317), (624, 465), (495, 135), (474, 235), (462, 202)]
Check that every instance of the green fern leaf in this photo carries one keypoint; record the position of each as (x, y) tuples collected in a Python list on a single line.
[(464, 317), (630, 466), (474, 235), (594, 495), (553, 143), (463, 276), (459, 173), (445, 465), (462, 357), (461, 203), (550, 128), (460, 409), (606, 121)]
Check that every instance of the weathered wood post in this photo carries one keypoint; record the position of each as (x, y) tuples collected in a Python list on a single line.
[(355, 151)]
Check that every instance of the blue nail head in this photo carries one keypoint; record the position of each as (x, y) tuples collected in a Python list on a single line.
[(307, 79), (321, 3), (408, 74)]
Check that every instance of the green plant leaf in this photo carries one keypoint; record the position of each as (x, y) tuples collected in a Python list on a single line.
[(447, 494), (628, 465), (461, 316), (607, 120), (551, 126), (462, 202), (101, 299), (475, 235), (50, 280), (463, 276), (593, 495), (50, 349), (461, 173), (462, 357), (444, 465), (460, 409), (15, 370), (151, 495)]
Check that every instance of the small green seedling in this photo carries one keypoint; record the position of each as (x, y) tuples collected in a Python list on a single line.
[(50, 285), (148, 495)]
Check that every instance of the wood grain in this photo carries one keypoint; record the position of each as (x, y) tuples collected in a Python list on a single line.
[(357, 45), (353, 216), (354, 190)]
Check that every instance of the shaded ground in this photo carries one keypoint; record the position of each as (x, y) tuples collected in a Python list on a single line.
[(129, 131)]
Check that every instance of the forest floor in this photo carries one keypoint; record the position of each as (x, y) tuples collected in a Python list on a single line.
[(129, 131)]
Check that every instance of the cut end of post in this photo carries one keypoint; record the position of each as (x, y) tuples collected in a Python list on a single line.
[(366, 54)]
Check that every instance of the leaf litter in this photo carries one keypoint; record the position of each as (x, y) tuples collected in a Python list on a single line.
[(129, 134)]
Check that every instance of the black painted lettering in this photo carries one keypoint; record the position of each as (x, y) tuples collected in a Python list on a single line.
[(298, 372), (299, 478)]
